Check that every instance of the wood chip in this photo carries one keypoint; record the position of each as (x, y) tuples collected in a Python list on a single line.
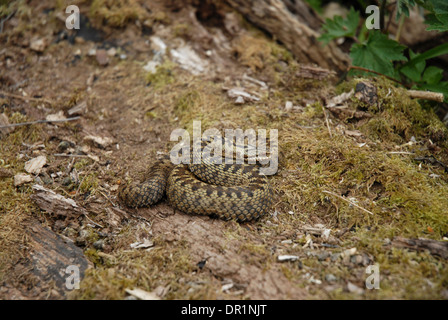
[(241, 92), (99, 141), (287, 258), (79, 109), (22, 178), (142, 245), (35, 165), (56, 116), (142, 294), (54, 203), (314, 72), (339, 101)]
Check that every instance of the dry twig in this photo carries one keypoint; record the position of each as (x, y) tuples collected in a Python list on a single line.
[(351, 202), (36, 122)]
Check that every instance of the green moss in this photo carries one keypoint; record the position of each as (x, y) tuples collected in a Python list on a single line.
[(89, 183), (82, 164), (181, 30), (162, 77), (93, 256), (398, 117), (117, 13), (185, 103), (162, 17), (151, 115), (15, 203), (131, 271)]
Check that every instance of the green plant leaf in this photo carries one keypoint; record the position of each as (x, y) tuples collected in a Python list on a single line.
[(432, 53), (378, 54), (437, 23), (316, 5), (432, 75), (339, 27), (438, 19), (414, 72), (403, 7)]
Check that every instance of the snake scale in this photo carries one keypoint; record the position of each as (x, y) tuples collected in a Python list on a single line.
[(227, 191)]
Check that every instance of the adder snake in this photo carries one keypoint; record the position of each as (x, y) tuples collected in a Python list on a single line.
[(228, 191)]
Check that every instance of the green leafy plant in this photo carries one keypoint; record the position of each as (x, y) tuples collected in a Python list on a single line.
[(375, 52)]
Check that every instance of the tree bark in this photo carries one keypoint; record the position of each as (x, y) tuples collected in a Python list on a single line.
[(304, 13), (297, 36)]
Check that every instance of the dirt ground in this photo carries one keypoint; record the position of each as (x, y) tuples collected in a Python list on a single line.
[(347, 186)]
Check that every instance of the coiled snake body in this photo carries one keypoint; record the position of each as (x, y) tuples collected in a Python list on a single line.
[(228, 191)]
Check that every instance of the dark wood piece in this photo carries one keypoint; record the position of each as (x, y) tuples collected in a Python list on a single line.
[(50, 255), (438, 248)]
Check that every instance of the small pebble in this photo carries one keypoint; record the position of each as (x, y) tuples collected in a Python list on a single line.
[(239, 100), (82, 236), (112, 52), (101, 57), (63, 145), (335, 256), (330, 277), (46, 179), (38, 45), (445, 294), (98, 245), (323, 256), (66, 181), (354, 288), (356, 259)]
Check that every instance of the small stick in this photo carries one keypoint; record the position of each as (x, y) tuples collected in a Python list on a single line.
[(70, 155), (427, 95), (375, 72), (38, 121), (97, 224), (352, 203), (327, 123), (400, 152), (11, 95), (6, 19)]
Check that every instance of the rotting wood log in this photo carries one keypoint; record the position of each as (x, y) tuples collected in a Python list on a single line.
[(297, 36), (304, 13), (50, 256), (438, 248)]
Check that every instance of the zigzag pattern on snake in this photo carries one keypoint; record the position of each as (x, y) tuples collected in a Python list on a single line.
[(227, 191)]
